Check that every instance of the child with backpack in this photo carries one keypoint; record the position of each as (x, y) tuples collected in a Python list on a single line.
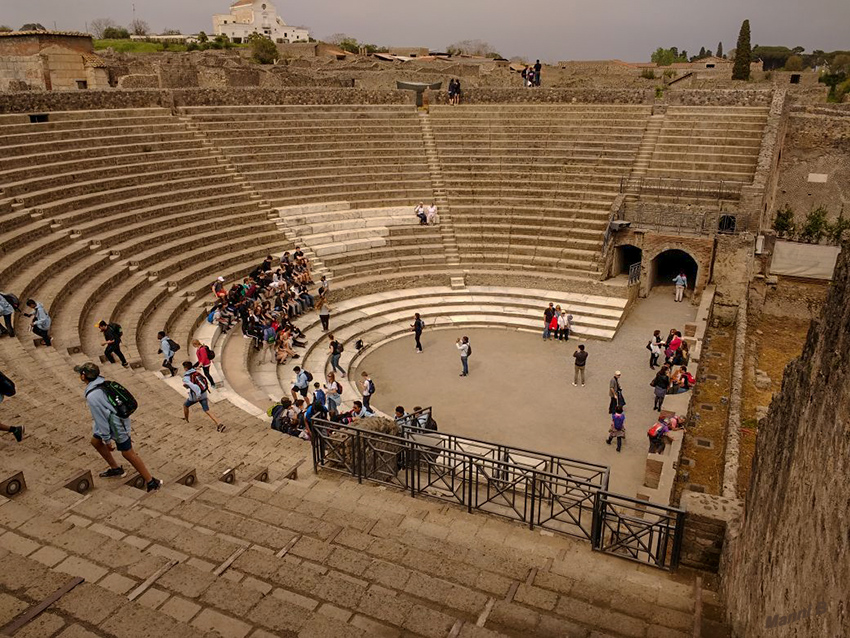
[(41, 321), (197, 385), (111, 405), (168, 348), (618, 427)]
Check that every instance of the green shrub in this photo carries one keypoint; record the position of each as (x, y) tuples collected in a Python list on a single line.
[(648, 74), (815, 226), (659, 92), (835, 233), (264, 51), (783, 224)]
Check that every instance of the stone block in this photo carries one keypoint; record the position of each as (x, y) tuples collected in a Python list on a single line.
[(224, 626), (180, 609), (81, 567)]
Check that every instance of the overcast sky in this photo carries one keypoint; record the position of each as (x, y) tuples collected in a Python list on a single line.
[(550, 29)]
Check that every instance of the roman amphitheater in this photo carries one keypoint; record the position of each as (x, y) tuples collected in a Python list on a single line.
[(514, 519)]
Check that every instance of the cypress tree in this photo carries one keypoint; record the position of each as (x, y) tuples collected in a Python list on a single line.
[(719, 49), (743, 54), (701, 53)]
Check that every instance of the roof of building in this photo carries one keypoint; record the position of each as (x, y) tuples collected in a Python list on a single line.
[(242, 3), (94, 61), (73, 34)]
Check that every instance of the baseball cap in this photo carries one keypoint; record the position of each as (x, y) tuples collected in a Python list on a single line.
[(617, 373), (89, 370)]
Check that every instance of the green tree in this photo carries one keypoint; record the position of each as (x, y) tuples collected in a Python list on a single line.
[(815, 226), (743, 54), (836, 231), (701, 54), (202, 37), (116, 33), (772, 57), (666, 57), (833, 81), (794, 63), (33, 26), (264, 50), (5, 29), (719, 49)]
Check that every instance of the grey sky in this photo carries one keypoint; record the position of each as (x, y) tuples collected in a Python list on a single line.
[(550, 29)]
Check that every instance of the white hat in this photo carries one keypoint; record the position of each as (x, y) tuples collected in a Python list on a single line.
[(617, 373), (221, 278)]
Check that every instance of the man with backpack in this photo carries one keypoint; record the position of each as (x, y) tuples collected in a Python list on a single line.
[(335, 350), (112, 340), (168, 348), (418, 326), (368, 390), (301, 385), (7, 389), (41, 320), (204, 354), (8, 305), (197, 385), (111, 405)]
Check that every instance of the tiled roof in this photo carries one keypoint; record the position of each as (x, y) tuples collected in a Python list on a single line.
[(94, 61)]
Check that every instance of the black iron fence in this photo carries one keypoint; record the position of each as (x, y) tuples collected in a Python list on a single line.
[(676, 189), (634, 274), (559, 494)]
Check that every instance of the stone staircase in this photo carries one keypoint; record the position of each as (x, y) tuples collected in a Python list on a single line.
[(644, 155), (442, 201)]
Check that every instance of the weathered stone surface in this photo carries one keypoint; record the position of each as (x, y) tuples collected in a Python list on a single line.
[(790, 551)]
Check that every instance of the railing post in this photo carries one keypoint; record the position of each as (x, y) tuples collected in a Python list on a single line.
[(596, 524), (677, 540), (469, 481), (357, 459), (532, 509)]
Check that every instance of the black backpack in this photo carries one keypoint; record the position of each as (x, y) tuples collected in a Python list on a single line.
[(7, 386), (371, 387), (210, 353), (280, 419), (119, 398), (469, 352), (13, 300), (309, 376), (173, 345)]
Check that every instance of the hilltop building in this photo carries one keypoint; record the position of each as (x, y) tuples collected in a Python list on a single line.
[(256, 16), (50, 60)]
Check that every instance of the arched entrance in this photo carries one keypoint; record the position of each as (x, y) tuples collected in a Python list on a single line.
[(670, 263)]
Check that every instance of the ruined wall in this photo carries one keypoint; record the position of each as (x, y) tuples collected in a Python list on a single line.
[(815, 143), (790, 552), (733, 264)]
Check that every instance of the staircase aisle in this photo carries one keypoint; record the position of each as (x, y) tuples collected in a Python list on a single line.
[(444, 212)]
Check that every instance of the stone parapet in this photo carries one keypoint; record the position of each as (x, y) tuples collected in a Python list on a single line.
[(707, 518)]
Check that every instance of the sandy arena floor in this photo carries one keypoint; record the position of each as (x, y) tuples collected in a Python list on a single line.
[(519, 391)]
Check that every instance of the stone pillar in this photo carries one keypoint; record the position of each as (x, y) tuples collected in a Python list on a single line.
[(705, 528)]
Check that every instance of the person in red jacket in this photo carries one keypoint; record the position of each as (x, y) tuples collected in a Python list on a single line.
[(202, 354)]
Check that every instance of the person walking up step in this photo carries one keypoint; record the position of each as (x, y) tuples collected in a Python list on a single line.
[(197, 385), (112, 335), (465, 352), (580, 356), (7, 389), (618, 428), (41, 321), (204, 354), (324, 313), (110, 405), (418, 326), (168, 348)]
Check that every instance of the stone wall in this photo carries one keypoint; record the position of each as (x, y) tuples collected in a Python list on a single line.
[(820, 144), (712, 97), (705, 528), (733, 260), (789, 552), (17, 72), (543, 95), (39, 101)]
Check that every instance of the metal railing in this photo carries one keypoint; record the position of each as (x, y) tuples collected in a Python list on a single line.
[(681, 189), (536, 489), (685, 222), (634, 274)]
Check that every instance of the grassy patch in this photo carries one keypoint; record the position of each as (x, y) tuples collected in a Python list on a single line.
[(135, 46)]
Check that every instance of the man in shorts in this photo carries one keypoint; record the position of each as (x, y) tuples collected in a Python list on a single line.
[(301, 385), (109, 431), (197, 385)]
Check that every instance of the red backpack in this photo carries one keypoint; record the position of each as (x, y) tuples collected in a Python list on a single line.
[(200, 380)]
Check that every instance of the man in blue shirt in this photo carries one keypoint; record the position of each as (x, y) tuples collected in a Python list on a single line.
[(167, 352), (197, 385), (109, 431), (301, 384)]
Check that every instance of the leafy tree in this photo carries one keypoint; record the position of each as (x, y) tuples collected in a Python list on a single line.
[(202, 37), (815, 226), (33, 26), (5, 29), (171, 32), (772, 57), (345, 42), (666, 57), (743, 54), (833, 81), (139, 27), (783, 224), (701, 53), (264, 50), (116, 33), (794, 63), (719, 49), (99, 25)]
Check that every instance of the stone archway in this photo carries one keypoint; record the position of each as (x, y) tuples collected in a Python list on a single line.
[(667, 264), (625, 256)]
